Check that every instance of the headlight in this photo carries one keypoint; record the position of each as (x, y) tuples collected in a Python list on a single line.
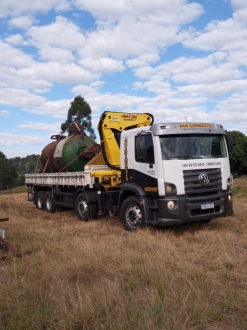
[(170, 188)]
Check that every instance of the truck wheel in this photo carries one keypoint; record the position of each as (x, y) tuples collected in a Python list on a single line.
[(132, 214), (50, 205), (40, 204), (83, 209)]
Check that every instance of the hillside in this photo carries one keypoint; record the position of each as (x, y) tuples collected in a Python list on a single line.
[(95, 275)]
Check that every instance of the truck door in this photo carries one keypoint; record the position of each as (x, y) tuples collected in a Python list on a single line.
[(141, 164)]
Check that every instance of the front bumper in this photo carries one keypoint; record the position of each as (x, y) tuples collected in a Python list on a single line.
[(189, 209)]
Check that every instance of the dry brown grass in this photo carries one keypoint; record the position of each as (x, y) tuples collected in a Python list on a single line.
[(95, 275)]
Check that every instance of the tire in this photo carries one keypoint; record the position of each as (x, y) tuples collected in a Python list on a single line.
[(40, 203), (132, 214), (85, 207), (50, 205)]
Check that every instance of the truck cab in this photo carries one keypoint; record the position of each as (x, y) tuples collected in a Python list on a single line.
[(179, 171)]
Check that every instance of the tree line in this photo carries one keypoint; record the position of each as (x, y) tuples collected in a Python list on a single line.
[(12, 170)]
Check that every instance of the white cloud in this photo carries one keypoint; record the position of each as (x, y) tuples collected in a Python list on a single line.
[(102, 65), (8, 139), (21, 22), (19, 70), (14, 39), (126, 39), (12, 78), (55, 54), (62, 34), (15, 8), (54, 127), (229, 36), (14, 58), (238, 4), (205, 69), (108, 100), (144, 72), (212, 75), (4, 113), (175, 10), (217, 89), (138, 85), (67, 73), (223, 35), (142, 60), (97, 84), (235, 105), (158, 87), (124, 102), (19, 97), (58, 109), (135, 28)]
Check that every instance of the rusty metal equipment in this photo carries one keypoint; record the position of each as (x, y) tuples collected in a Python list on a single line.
[(6, 247), (68, 154)]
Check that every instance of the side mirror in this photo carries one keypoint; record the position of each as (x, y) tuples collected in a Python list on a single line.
[(141, 147), (229, 142)]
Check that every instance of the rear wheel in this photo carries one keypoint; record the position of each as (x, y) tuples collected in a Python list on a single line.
[(85, 207), (40, 203), (132, 214), (50, 205)]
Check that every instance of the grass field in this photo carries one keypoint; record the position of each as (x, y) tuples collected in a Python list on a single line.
[(95, 275)]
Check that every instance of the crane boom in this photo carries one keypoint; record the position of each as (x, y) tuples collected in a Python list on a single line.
[(110, 126)]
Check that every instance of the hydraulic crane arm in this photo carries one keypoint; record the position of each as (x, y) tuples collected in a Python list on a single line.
[(111, 125)]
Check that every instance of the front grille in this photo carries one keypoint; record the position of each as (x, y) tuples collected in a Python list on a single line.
[(196, 193), (194, 188)]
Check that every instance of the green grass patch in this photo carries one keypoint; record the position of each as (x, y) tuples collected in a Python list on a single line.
[(239, 190), (17, 190)]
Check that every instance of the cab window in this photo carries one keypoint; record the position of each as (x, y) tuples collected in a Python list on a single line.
[(146, 153)]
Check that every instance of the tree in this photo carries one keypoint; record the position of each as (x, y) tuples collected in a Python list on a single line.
[(2, 168), (80, 109), (238, 156), (10, 178), (8, 174), (20, 181)]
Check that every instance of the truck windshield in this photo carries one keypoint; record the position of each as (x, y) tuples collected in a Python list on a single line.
[(192, 146)]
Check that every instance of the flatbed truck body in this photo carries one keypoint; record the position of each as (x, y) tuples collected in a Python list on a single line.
[(167, 174)]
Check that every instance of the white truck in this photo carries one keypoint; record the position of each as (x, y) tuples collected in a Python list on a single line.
[(159, 174)]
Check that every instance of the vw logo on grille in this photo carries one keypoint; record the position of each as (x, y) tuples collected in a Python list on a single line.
[(203, 179)]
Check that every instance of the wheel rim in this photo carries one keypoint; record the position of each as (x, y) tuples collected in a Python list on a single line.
[(134, 216), (83, 209)]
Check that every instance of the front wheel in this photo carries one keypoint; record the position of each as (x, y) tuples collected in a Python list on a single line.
[(132, 214)]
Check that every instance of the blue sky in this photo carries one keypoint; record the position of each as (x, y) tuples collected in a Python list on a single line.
[(174, 59)]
